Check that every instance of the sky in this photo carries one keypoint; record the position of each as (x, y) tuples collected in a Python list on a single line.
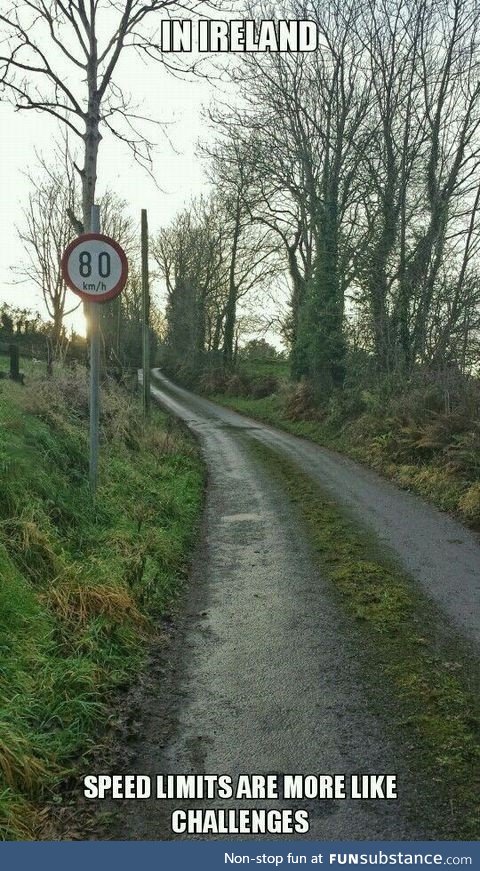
[(178, 171)]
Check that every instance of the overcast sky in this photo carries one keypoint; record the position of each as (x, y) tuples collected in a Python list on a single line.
[(178, 172)]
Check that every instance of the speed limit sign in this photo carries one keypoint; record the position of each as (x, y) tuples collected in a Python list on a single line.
[(95, 267)]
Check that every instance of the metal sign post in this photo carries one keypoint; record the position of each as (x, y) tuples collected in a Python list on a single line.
[(145, 317), (94, 372), (95, 268)]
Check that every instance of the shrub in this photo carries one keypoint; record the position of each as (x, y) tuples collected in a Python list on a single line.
[(300, 402), (237, 384), (469, 505), (345, 405), (263, 386), (212, 381)]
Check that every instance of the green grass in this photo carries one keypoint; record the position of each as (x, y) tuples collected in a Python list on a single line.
[(425, 679), (257, 368), (81, 580)]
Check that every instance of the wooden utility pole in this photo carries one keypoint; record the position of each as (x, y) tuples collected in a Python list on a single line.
[(145, 317)]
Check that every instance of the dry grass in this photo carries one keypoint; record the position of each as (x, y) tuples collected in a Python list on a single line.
[(78, 601), (31, 547), (21, 770), (20, 819), (469, 504)]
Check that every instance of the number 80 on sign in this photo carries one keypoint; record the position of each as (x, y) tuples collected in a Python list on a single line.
[(95, 267)]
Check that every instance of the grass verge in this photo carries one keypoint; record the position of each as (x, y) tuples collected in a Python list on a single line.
[(369, 440), (419, 673), (81, 580)]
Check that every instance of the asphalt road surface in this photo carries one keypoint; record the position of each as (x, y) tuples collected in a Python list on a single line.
[(262, 675)]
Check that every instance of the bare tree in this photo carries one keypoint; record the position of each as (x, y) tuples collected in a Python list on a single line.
[(61, 58), (364, 159), (190, 257), (209, 260), (251, 256), (420, 172), (46, 231), (301, 125), (450, 51), (45, 234), (389, 34)]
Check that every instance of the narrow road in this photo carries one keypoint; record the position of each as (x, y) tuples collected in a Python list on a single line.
[(438, 551), (263, 677)]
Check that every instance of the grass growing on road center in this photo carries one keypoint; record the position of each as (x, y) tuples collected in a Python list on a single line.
[(80, 580), (421, 678)]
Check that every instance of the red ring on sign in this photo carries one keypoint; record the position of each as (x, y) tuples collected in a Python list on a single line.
[(100, 297)]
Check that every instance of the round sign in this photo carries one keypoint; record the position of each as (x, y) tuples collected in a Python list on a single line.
[(95, 267)]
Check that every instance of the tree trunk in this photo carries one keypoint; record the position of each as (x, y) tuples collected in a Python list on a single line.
[(57, 330), (92, 136), (299, 284), (231, 306), (326, 341), (229, 332)]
